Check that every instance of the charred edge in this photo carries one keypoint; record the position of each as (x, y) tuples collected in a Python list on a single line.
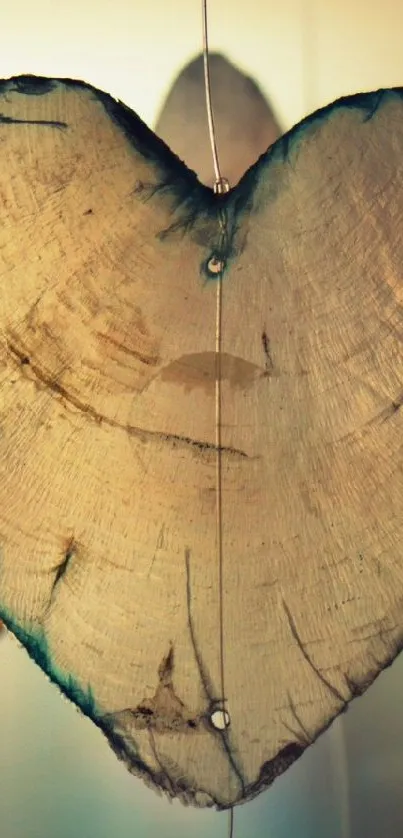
[(142, 433), (206, 681), (358, 689), (119, 745), (355, 689), (163, 768), (288, 755), (33, 85), (175, 787), (273, 768), (276, 766), (9, 120), (321, 677), (161, 779)]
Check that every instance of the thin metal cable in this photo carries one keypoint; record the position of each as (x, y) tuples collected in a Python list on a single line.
[(218, 337), (218, 334), (210, 117), (220, 186)]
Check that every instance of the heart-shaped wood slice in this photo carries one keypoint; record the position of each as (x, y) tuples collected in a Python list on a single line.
[(109, 561)]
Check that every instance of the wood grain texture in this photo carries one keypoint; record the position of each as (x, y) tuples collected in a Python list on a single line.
[(108, 554)]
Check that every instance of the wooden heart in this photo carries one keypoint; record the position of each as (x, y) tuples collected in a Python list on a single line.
[(113, 259)]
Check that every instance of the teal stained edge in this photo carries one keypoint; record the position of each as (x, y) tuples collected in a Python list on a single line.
[(37, 647), (175, 179), (367, 103)]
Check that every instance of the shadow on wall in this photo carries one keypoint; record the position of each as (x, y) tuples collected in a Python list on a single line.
[(245, 124)]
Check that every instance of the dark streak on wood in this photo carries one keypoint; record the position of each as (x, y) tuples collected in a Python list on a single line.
[(307, 736), (301, 646), (61, 569), (143, 434), (269, 365), (296, 736), (206, 681), (395, 405), (9, 120), (149, 360)]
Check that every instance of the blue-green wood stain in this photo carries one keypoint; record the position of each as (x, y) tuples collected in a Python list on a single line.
[(193, 200)]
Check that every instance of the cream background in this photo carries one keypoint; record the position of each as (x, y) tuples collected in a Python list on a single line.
[(303, 52)]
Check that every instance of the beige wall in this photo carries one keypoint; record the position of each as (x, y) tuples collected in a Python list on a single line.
[(304, 52)]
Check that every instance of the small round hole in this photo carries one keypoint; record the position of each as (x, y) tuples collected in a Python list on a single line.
[(220, 719), (215, 266)]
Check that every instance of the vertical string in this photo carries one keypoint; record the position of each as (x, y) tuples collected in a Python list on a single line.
[(219, 540), (210, 117), (221, 185)]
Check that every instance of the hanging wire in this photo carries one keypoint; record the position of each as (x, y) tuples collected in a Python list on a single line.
[(207, 86), (221, 185)]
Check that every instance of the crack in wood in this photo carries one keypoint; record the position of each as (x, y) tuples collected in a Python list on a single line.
[(207, 683), (269, 365), (308, 659), (141, 433)]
